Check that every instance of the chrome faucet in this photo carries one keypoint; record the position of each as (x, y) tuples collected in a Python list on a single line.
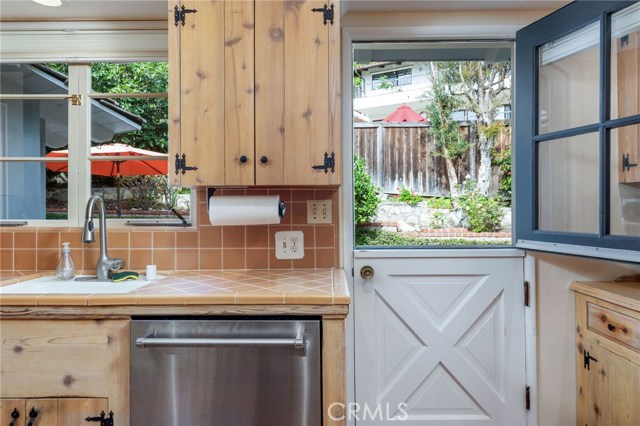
[(106, 265)]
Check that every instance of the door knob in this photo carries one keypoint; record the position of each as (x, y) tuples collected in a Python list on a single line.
[(366, 272)]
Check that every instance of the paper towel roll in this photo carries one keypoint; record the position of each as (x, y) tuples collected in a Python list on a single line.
[(245, 210)]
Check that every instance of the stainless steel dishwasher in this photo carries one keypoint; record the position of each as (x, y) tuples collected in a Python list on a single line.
[(226, 372)]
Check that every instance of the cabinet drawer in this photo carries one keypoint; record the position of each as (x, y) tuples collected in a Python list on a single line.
[(614, 325)]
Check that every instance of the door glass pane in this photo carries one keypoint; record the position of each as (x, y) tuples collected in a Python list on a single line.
[(568, 193), (625, 62), (625, 181), (568, 80)]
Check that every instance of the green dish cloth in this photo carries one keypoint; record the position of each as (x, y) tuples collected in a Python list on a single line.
[(122, 276)]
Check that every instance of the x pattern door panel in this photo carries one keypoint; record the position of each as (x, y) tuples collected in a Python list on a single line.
[(441, 340)]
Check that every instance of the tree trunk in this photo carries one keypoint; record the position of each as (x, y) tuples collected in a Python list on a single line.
[(451, 174), (484, 171)]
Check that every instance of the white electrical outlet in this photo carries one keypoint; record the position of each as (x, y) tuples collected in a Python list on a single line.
[(290, 245), (319, 211)]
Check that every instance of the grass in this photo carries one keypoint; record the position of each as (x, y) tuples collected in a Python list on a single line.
[(367, 236)]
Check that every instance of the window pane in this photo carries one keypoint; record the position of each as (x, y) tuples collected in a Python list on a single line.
[(33, 128), (568, 79), (568, 194), (625, 181), (625, 62), (28, 190), (32, 79)]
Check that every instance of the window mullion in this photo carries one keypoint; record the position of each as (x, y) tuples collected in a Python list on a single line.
[(79, 142)]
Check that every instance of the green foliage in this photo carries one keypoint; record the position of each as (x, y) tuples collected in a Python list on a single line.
[(439, 203), (384, 83), (409, 197), (449, 140), (502, 160), (480, 213), (144, 191), (366, 199), (438, 220), (368, 236)]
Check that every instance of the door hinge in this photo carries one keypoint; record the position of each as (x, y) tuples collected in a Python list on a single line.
[(526, 293), (104, 421), (181, 164), (527, 398), (179, 14), (587, 360), (329, 163), (327, 13), (76, 100), (352, 272)]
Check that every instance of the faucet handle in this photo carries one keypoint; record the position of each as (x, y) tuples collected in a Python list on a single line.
[(115, 264)]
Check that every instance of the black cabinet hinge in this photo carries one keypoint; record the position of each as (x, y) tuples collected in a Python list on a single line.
[(527, 398), (587, 360), (104, 421), (526, 293), (329, 163), (179, 14), (327, 13), (626, 163), (181, 164)]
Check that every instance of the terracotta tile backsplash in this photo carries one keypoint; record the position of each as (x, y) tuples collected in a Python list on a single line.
[(203, 247)]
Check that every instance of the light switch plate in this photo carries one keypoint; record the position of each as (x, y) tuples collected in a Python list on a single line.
[(290, 245), (319, 211)]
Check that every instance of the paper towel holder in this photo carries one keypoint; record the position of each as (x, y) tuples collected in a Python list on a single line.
[(282, 207)]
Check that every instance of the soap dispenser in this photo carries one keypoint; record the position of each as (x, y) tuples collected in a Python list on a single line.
[(66, 269)]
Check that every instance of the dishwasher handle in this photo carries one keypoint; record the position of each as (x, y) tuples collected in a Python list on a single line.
[(177, 342)]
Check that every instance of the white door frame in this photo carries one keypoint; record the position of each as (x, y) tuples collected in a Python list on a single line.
[(456, 26)]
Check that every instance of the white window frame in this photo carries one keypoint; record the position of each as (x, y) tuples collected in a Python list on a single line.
[(84, 43)]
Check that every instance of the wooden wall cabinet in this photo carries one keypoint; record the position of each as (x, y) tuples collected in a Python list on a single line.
[(608, 353), (254, 92), (65, 367), (52, 411), (628, 78)]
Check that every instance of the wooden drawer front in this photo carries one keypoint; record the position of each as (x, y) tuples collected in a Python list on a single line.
[(614, 325)]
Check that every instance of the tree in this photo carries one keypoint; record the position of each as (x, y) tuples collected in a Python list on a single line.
[(445, 131), (483, 87)]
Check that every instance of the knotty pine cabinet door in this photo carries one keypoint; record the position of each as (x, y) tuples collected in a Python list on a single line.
[(628, 92), (52, 411), (254, 93)]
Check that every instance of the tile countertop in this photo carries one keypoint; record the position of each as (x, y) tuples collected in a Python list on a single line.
[(229, 287)]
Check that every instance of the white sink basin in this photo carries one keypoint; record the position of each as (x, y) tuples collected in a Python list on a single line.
[(52, 285)]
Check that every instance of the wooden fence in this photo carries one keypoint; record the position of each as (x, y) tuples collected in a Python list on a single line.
[(404, 155)]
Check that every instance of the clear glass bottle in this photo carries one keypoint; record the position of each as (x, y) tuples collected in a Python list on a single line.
[(66, 269)]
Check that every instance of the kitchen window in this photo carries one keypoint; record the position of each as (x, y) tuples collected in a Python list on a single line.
[(578, 131), (70, 130)]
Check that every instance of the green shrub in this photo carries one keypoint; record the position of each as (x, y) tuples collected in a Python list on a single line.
[(409, 197), (480, 213), (368, 236), (440, 203), (366, 199), (502, 159), (438, 220)]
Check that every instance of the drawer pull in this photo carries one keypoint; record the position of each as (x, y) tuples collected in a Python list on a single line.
[(15, 415), (611, 327), (32, 416)]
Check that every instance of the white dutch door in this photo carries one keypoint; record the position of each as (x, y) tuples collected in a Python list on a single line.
[(439, 341)]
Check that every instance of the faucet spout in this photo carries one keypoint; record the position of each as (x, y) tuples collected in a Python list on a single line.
[(106, 265)]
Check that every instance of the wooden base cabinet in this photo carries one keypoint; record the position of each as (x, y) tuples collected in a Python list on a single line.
[(607, 354), (66, 369), (53, 412), (254, 92)]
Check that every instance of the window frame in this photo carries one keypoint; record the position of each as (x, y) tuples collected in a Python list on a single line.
[(563, 22)]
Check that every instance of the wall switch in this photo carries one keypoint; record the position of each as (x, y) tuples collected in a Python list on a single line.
[(290, 245), (319, 211)]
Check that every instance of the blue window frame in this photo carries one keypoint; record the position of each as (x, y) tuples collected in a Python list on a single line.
[(572, 133)]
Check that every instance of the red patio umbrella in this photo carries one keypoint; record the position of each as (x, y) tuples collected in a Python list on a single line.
[(404, 114), (130, 161)]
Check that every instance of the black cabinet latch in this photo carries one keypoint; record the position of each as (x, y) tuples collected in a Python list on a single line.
[(180, 14), (104, 421), (327, 13), (329, 163), (587, 360), (181, 164), (626, 163)]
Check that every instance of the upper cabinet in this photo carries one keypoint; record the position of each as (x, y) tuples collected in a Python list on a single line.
[(254, 93)]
